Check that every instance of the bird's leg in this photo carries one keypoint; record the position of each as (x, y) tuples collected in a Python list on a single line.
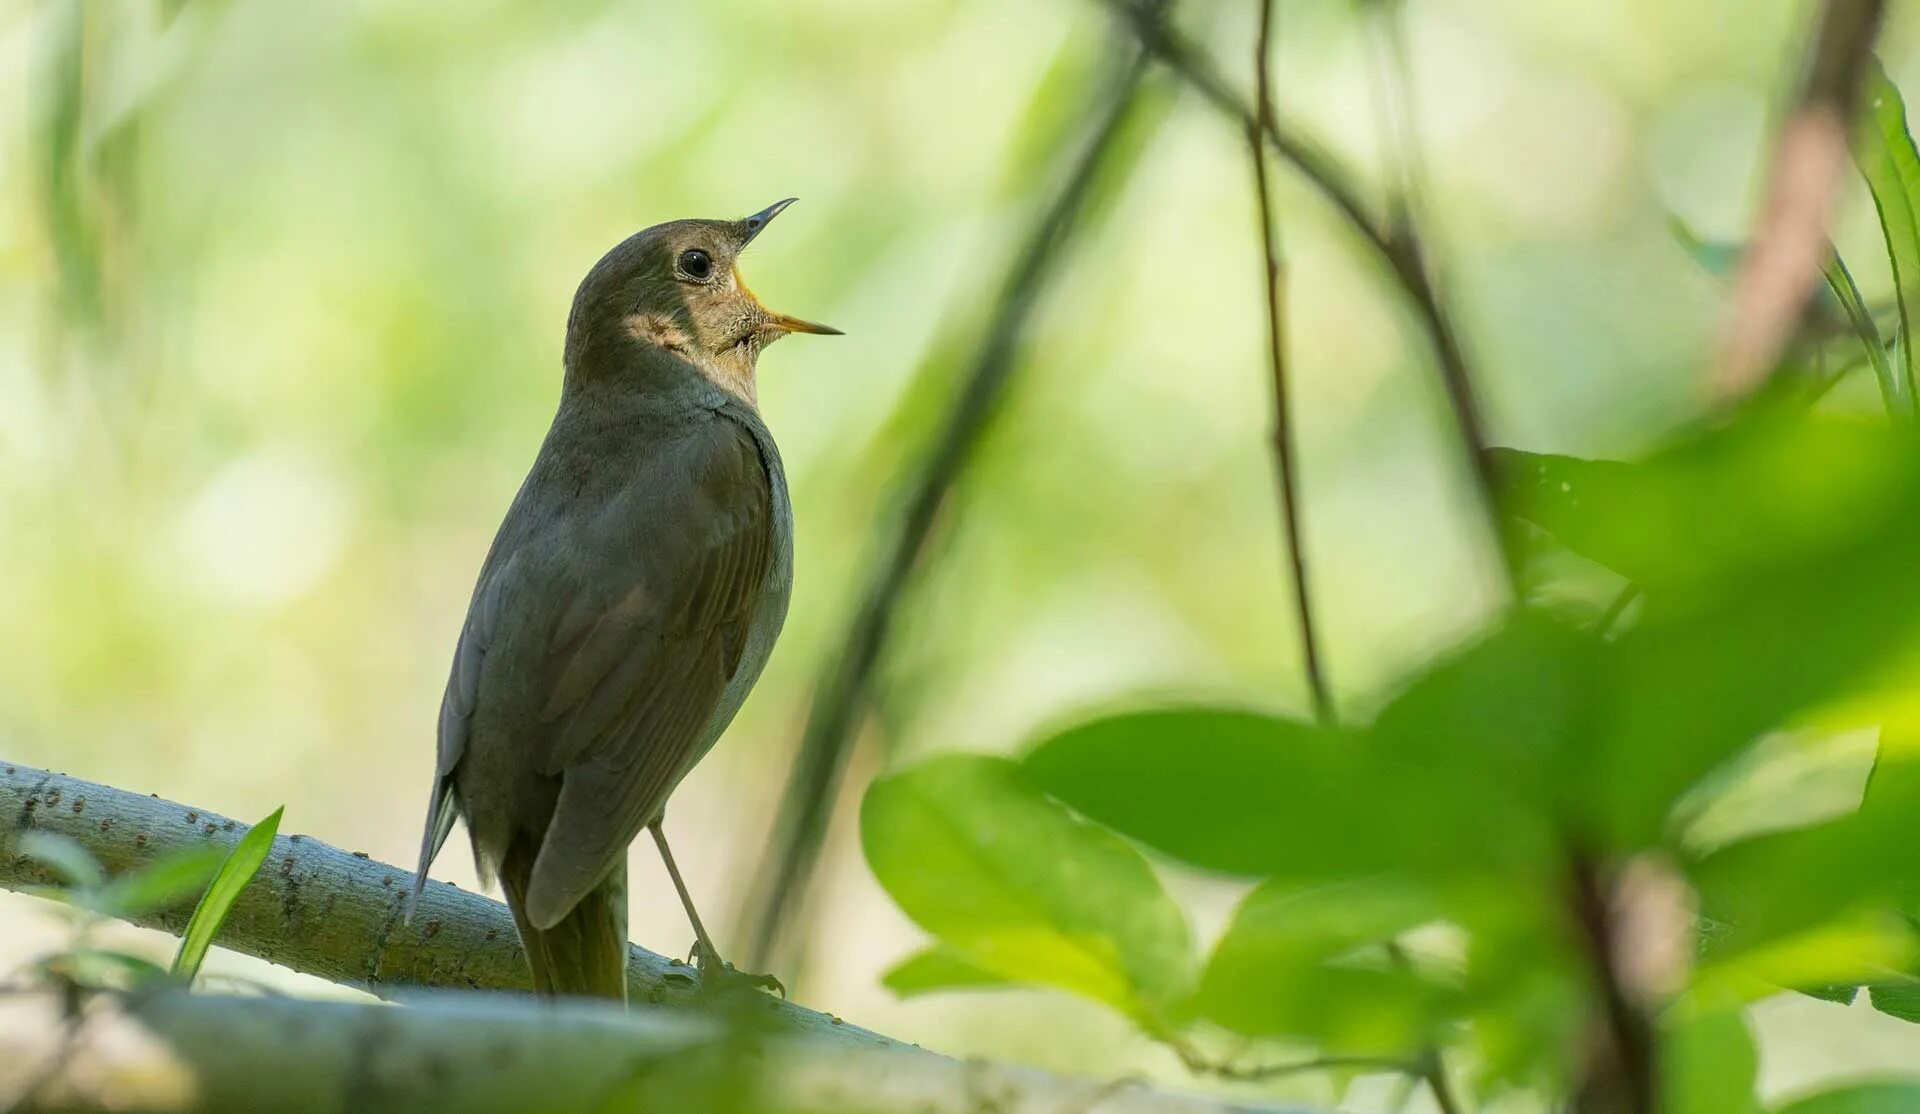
[(714, 971)]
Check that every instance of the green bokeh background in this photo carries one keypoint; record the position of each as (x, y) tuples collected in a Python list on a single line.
[(283, 285)]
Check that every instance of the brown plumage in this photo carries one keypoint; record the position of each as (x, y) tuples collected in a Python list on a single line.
[(628, 603)]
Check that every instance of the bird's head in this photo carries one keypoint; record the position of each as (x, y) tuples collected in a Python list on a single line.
[(675, 287)]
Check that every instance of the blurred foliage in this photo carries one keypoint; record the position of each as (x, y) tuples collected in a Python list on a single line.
[(1528, 795)]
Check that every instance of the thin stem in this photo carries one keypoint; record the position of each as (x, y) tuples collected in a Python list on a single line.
[(1285, 464), (1399, 248)]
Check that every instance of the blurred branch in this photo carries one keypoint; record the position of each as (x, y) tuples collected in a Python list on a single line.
[(167, 1051), (320, 910), (841, 694), (1398, 245), (1285, 466), (1780, 272)]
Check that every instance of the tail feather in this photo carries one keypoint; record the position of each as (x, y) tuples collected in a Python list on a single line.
[(585, 952)]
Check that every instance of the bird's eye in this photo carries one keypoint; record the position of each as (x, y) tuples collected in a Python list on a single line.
[(696, 264)]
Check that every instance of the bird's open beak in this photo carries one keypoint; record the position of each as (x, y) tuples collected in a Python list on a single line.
[(787, 324), (780, 322)]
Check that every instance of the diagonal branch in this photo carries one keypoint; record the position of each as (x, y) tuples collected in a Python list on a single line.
[(841, 695), (318, 909), (1398, 245), (326, 912)]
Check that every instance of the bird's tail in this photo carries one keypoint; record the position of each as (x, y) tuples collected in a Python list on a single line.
[(585, 953)]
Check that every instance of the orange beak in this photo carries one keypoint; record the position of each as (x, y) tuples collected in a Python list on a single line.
[(787, 324)]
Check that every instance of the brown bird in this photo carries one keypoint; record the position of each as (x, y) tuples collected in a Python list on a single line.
[(629, 601)]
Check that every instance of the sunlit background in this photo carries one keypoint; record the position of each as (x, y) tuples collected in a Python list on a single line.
[(283, 286)]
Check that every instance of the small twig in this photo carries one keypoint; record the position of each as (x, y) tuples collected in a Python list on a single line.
[(1285, 466), (1199, 1064), (1779, 274), (1399, 248), (841, 695)]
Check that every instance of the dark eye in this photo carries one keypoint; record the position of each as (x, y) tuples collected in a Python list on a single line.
[(696, 264)]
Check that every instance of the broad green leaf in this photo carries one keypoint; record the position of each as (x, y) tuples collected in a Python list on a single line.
[(1859, 1098), (63, 855), (1708, 1064), (1017, 886), (226, 888), (1897, 999), (1761, 890), (1295, 962), (1838, 993), (1501, 716), (1884, 151), (1682, 523), (937, 969), (159, 885), (1245, 793)]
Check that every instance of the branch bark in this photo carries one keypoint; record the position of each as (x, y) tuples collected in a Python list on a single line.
[(324, 911), (335, 914), (169, 1051)]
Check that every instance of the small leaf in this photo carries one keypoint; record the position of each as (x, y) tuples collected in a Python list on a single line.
[(1897, 999), (1295, 963), (226, 888), (1884, 151), (159, 885), (1017, 886), (64, 855), (1846, 294), (102, 969), (1859, 1098), (1838, 993), (937, 969)]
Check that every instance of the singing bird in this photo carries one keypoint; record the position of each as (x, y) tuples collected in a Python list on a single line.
[(628, 603)]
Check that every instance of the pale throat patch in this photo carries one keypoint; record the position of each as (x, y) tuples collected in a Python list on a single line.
[(663, 332)]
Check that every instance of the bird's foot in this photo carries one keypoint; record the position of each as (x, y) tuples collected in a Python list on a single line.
[(717, 976)]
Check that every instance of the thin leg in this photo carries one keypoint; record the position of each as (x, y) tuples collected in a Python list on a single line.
[(714, 971), (686, 899)]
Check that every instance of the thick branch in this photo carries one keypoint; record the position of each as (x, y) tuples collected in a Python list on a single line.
[(168, 1051), (321, 910)]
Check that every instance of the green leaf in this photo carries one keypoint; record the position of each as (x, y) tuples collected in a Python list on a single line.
[(937, 969), (226, 888), (1708, 1064), (1245, 793), (102, 969), (1846, 294), (1682, 523), (1884, 151), (1018, 887), (159, 885), (63, 855), (1859, 1098), (1294, 963), (1762, 890), (1897, 999), (1496, 722)]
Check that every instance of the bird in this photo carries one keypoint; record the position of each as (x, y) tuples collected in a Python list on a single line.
[(627, 605)]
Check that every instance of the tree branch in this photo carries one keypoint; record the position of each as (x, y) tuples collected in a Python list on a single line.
[(323, 911), (1285, 466), (1779, 273), (169, 1051), (1398, 245)]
